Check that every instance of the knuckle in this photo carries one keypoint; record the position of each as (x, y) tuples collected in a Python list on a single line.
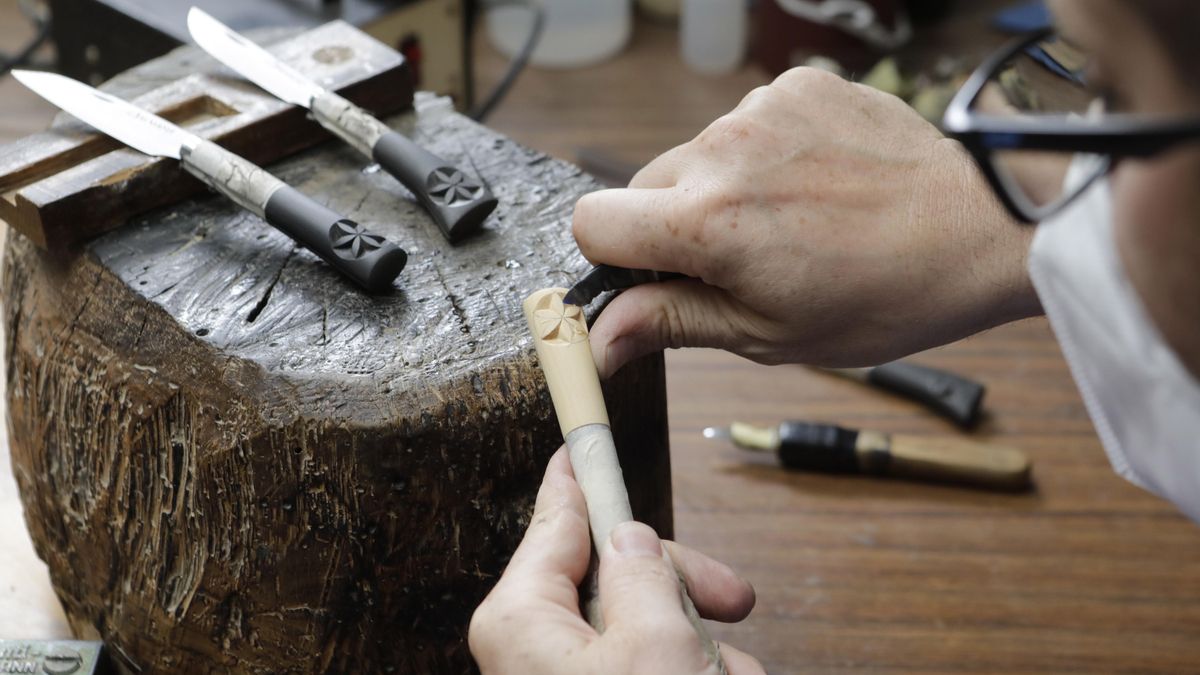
[(584, 207), (682, 634), (562, 521), (492, 624), (583, 219), (732, 128), (756, 97), (635, 579), (670, 633), (805, 79), (672, 327), (482, 630)]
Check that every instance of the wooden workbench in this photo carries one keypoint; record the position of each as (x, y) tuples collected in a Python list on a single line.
[(1086, 574)]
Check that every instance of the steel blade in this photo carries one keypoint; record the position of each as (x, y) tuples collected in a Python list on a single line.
[(253, 62), (137, 128)]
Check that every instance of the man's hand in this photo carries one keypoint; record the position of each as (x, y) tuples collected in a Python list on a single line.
[(530, 623), (826, 222)]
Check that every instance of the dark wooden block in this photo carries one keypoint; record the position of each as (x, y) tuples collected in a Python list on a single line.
[(68, 184), (232, 460)]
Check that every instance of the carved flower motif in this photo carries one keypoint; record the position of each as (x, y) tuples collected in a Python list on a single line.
[(451, 186), (559, 322), (351, 240)]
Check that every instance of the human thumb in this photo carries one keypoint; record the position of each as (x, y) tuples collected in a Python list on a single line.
[(657, 316), (638, 586)]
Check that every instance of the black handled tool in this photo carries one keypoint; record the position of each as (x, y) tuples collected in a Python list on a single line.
[(367, 258), (833, 449), (602, 278), (458, 203), (952, 396)]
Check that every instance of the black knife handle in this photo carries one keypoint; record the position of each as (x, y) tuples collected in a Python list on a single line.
[(369, 259), (947, 394), (458, 203)]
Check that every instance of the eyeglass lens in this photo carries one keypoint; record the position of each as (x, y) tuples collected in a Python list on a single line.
[(1042, 82)]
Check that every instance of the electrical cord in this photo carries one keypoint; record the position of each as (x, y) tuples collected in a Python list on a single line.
[(481, 111), (41, 23)]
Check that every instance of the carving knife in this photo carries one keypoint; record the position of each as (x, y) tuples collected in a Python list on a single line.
[(833, 449), (367, 258), (603, 278), (459, 204)]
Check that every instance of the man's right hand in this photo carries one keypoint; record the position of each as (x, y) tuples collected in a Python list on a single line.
[(825, 222)]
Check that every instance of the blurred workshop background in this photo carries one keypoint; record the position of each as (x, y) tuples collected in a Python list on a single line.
[(1082, 573)]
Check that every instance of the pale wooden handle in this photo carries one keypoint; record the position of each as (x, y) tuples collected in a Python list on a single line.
[(560, 336), (961, 461)]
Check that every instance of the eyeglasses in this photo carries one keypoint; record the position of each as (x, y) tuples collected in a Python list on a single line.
[(1024, 137)]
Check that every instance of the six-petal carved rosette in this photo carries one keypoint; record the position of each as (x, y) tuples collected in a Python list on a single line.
[(557, 322), (451, 186), (351, 240)]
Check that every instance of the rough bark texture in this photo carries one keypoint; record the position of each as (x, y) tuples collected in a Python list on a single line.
[(233, 460)]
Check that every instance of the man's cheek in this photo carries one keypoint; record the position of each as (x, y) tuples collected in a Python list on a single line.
[(1145, 204)]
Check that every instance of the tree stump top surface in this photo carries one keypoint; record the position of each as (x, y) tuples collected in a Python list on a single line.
[(248, 291)]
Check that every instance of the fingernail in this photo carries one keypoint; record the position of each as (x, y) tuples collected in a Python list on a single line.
[(635, 539)]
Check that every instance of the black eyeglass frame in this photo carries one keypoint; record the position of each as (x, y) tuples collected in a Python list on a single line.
[(1117, 136)]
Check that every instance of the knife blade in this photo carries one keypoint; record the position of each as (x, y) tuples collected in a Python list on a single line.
[(367, 258), (458, 203), (603, 278)]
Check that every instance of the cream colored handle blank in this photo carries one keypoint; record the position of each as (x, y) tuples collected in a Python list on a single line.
[(560, 336)]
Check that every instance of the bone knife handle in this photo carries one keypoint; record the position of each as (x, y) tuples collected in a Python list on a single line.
[(367, 258), (458, 203)]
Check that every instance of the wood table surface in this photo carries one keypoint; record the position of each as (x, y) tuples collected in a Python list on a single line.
[(1086, 573)]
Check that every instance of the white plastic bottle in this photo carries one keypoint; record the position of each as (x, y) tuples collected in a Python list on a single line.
[(577, 32), (713, 35)]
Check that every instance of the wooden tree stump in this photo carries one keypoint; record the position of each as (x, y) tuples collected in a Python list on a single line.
[(233, 460)]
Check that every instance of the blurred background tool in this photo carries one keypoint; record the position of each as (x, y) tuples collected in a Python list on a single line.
[(833, 449), (54, 657), (952, 396)]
